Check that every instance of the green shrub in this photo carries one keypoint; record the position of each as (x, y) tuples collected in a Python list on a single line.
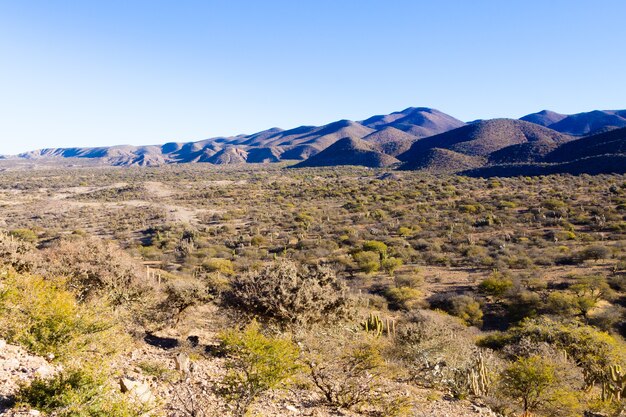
[(467, 309), (368, 262), (403, 298), (77, 392), (375, 246), (224, 266), (391, 264), (45, 318), (255, 364), (496, 285)]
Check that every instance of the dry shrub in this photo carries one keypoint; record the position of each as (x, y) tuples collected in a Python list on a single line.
[(291, 294), (97, 268), (18, 254), (350, 371)]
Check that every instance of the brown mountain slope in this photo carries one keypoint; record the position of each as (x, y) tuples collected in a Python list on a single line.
[(481, 139), (349, 151)]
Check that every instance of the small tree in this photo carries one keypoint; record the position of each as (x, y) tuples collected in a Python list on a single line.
[(255, 363), (529, 380)]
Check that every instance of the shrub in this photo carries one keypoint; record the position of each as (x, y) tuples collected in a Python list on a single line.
[(77, 392), (255, 364), (291, 294), (534, 382), (391, 264), (224, 266), (349, 371), (18, 254), (496, 285), (181, 293), (96, 268), (403, 298), (368, 262), (467, 309), (375, 246), (47, 319)]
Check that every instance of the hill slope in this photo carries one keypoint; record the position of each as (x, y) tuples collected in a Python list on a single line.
[(480, 139), (581, 123), (349, 151)]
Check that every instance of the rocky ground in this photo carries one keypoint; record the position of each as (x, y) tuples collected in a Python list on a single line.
[(165, 376)]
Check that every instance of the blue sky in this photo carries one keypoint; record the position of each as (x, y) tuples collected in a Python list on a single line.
[(104, 72)]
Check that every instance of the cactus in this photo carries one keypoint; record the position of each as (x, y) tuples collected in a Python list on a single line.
[(614, 386), (477, 378), (379, 326)]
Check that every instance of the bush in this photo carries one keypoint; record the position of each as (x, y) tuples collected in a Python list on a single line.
[(368, 262), (77, 392), (375, 246), (496, 285), (391, 264), (534, 382), (403, 298), (291, 294), (96, 268), (18, 254), (255, 363), (349, 371), (47, 319), (224, 266), (467, 309)]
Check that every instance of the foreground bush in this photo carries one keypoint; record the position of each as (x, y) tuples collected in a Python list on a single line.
[(77, 393), (291, 294), (96, 268), (46, 319), (255, 363), (350, 372)]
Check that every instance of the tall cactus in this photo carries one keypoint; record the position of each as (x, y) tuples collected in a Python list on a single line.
[(614, 386), (477, 377), (379, 326)]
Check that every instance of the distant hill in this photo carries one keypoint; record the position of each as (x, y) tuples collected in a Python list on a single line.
[(416, 138), (349, 151), (579, 124), (389, 134), (417, 121), (480, 139), (603, 153)]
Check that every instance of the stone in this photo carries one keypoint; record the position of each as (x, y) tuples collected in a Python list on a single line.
[(182, 362), (137, 389), (291, 408)]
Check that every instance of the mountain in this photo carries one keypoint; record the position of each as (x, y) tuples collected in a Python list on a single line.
[(416, 138), (349, 151), (603, 153), (480, 139), (581, 123), (417, 121), (390, 140), (544, 118), (388, 134), (607, 143)]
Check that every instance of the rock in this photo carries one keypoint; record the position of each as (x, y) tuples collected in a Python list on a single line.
[(182, 362), (291, 408), (138, 390), (3, 343)]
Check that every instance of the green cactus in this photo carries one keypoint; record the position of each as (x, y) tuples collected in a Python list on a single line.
[(379, 326), (614, 386)]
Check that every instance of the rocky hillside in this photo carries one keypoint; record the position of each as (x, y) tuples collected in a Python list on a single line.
[(394, 132)]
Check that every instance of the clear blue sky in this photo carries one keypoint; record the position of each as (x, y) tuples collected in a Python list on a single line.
[(103, 72)]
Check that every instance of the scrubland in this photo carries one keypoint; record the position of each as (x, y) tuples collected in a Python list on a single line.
[(272, 292)]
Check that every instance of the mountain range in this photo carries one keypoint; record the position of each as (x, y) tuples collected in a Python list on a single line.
[(417, 138)]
